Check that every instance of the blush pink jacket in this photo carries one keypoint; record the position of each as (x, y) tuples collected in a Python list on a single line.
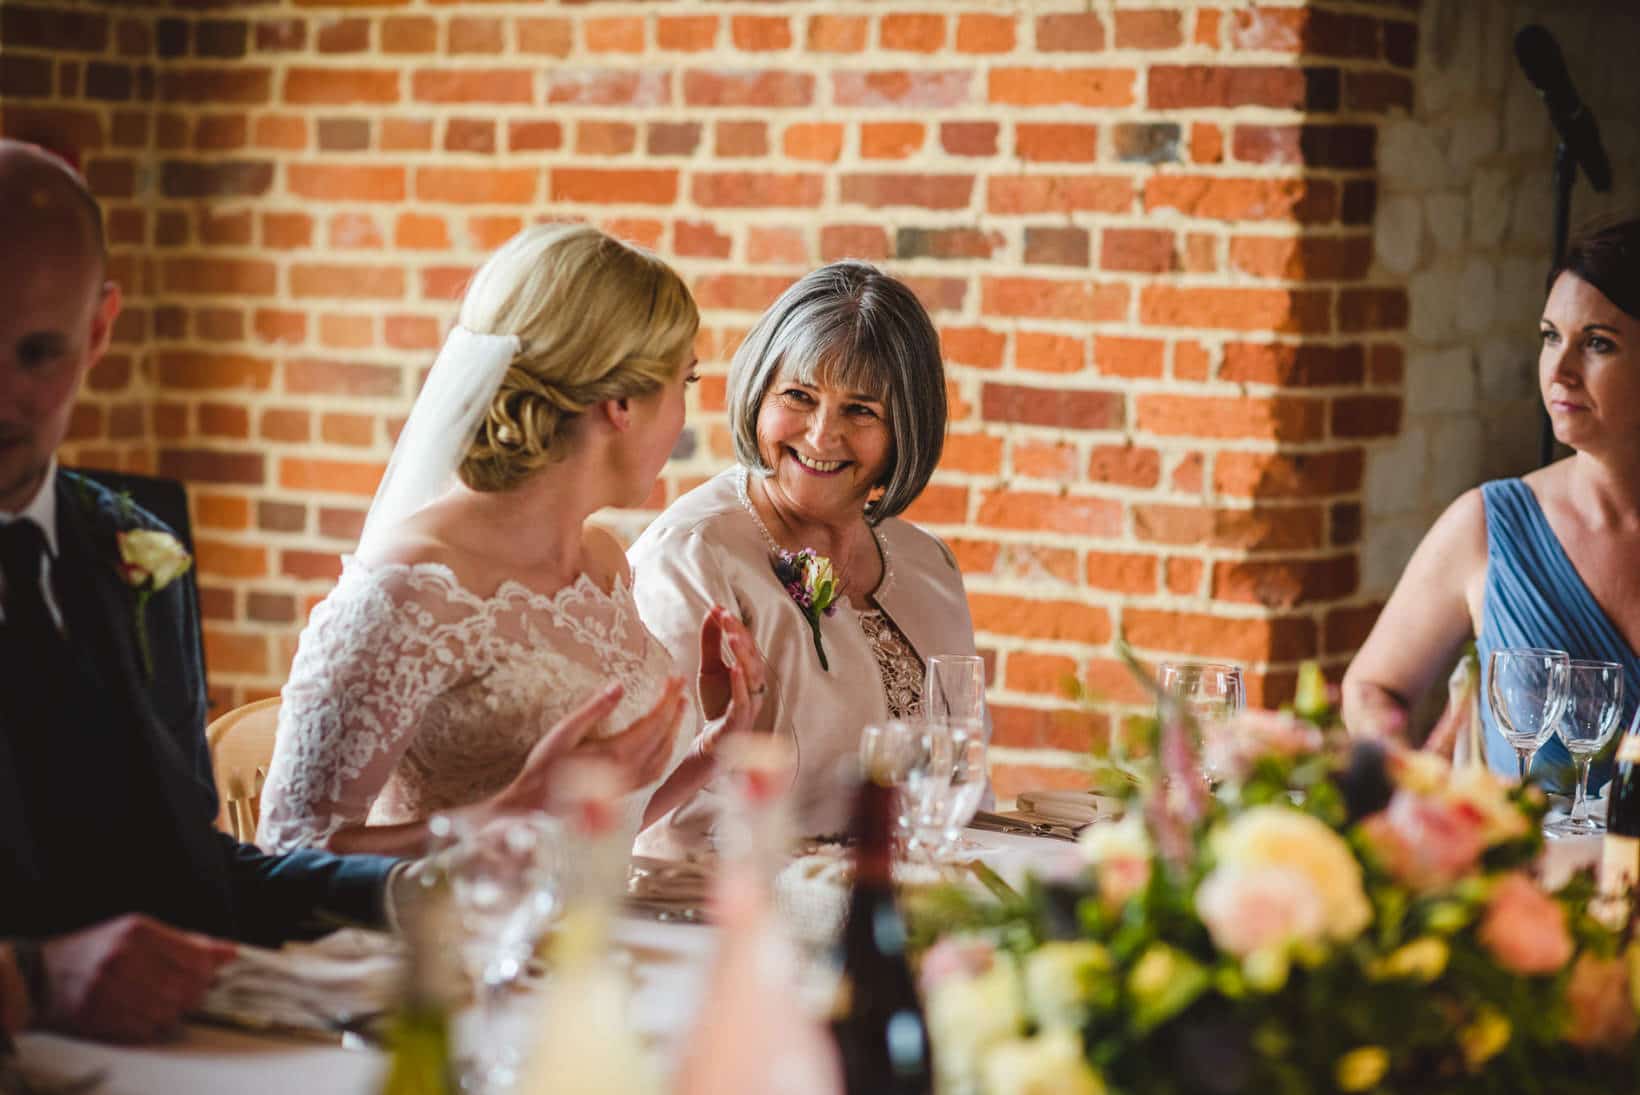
[(708, 549)]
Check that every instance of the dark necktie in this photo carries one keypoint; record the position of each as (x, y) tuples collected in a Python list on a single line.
[(22, 549)]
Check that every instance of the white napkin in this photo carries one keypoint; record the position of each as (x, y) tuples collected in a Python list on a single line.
[(308, 986), (667, 880), (1074, 807)]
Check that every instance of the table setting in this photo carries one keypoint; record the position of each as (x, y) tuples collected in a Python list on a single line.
[(1294, 856)]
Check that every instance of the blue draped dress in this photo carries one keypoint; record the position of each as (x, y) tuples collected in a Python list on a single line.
[(1534, 597)]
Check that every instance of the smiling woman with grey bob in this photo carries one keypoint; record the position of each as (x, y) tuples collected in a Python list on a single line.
[(837, 406)]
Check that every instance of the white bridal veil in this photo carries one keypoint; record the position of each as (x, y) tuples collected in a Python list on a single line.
[(464, 379)]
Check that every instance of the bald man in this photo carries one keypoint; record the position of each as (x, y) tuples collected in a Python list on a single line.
[(115, 889)]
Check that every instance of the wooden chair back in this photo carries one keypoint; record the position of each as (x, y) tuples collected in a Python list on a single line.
[(241, 744)]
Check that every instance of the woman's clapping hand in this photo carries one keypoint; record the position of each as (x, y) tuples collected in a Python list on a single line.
[(639, 753), (733, 677)]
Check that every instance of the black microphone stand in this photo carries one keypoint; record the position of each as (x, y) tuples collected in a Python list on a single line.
[(1577, 145), (1565, 174)]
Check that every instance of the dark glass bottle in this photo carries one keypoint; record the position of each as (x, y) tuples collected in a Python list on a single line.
[(882, 1035), (1620, 848)]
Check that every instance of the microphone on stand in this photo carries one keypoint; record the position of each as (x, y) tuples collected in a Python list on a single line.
[(1541, 61)]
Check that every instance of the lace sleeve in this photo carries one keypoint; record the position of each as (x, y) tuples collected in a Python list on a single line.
[(377, 651)]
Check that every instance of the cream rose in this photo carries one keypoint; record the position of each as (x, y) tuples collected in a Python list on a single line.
[(151, 559), (1049, 1064), (1281, 837), (1060, 977), (968, 1016), (1249, 909)]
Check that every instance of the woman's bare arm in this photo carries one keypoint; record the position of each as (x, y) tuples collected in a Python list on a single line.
[(1432, 612)]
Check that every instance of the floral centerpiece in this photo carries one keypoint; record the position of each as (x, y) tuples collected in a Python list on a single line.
[(1334, 915)]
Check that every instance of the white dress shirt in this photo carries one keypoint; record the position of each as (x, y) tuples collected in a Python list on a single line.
[(42, 510)]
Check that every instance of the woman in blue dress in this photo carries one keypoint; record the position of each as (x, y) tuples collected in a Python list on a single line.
[(1548, 560)]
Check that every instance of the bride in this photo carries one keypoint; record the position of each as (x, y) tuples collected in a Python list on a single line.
[(484, 631)]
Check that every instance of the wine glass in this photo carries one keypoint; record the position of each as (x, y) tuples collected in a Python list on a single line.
[(1526, 691), (1210, 691), (913, 757), (1594, 700), (954, 688), (503, 878)]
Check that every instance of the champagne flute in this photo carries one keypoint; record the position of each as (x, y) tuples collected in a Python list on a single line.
[(1594, 700), (954, 695), (1526, 691)]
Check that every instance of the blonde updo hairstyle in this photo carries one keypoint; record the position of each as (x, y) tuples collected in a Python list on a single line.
[(599, 319)]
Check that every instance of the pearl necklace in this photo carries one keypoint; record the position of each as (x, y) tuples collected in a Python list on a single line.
[(743, 493)]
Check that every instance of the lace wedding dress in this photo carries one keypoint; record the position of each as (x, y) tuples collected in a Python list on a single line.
[(410, 694)]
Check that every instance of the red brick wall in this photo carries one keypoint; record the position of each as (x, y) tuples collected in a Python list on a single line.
[(1145, 234)]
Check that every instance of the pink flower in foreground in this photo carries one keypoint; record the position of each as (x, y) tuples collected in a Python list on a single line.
[(1250, 908), (1602, 1015), (1120, 855), (1232, 747), (959, 957), (1524, 928), (1426, 842)]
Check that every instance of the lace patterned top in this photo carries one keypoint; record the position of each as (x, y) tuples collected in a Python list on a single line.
[(899, 665), (410, 694)]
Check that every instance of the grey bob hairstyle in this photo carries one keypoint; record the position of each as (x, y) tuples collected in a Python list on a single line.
[(851, 326)]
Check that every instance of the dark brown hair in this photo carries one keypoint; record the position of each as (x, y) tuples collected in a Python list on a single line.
[(1607, 256)]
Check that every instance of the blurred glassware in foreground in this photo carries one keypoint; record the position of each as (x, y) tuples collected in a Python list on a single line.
[(753, 1036), (503, 884), (585, 1043), (914, 758), (419, 1060)]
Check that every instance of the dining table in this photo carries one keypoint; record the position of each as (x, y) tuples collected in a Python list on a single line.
[(669, 960)]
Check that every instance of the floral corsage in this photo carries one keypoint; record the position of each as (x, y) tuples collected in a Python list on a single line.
[(809, 580), (150, 561)]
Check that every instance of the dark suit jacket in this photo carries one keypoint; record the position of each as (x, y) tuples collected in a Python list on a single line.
[(241, 892)]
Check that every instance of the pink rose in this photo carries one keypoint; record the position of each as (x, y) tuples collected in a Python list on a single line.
[(1524, 928), (1122, 877), (1250, 908), (1232, 747), (956, 958), (1598, 997), (1427, 842)]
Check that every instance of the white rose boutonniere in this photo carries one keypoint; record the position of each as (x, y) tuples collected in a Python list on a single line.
[(150, 561)]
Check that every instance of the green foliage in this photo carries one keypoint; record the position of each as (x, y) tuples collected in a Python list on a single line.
[(1419, 995)]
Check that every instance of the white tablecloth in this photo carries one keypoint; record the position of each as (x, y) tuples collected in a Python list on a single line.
[(670, 962)]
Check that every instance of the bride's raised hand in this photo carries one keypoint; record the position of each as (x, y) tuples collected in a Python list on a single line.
[(642, 751), (732, 687), (639, 752)]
